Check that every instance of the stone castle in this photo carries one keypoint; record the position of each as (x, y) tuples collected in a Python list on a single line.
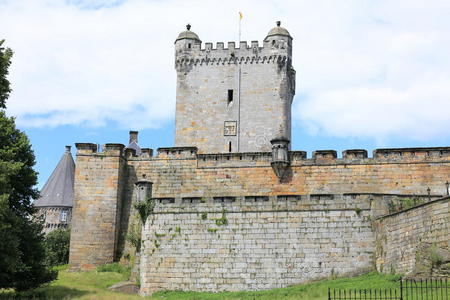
[(231, 206)]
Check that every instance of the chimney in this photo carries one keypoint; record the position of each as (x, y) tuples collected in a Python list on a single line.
[(134, 136), (68, 148)]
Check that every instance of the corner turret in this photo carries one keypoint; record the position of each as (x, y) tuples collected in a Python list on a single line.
[(189, 36), (278, 39), (185, 43)]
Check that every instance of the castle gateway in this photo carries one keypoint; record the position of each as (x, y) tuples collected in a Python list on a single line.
[(231, 207)]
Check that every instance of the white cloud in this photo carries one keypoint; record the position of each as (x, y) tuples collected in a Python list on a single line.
[(376, 69)]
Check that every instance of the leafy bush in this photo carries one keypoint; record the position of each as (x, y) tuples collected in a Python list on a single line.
[(57, 247), (145, 208), (435, 257)]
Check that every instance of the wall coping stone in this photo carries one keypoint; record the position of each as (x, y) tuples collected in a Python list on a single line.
[(324, 154), (86, 146)]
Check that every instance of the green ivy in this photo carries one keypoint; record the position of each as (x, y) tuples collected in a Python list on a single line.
[(145, 209), (222, 221)]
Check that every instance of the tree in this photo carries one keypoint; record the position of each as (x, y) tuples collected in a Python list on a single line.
[(22, 252), (5, 62), (57, 247)]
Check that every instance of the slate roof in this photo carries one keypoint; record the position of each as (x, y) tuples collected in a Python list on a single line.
[(135, 146), (188, 34), (58, 190), (278, 30)]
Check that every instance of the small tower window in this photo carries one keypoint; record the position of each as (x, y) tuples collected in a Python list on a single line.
[(189, 45), (230, 97), (63, 216), (229, 146)]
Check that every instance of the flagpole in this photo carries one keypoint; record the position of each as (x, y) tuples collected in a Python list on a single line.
[(240, 19), (239, 92)]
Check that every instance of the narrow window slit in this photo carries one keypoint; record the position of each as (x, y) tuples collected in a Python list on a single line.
[(230, 97)]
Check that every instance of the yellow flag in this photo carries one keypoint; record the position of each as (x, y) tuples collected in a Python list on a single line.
[(240, 16)]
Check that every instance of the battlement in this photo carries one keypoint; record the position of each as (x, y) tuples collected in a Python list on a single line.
[(109, 149), (177, 153), (351, 156), (241, 47), (277, 52), (413, 153)]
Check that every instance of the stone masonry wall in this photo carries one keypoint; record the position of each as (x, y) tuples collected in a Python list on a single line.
[(186, 184), (400, 236), (52, 217), (315, 189), (97, 206), (254, 245)]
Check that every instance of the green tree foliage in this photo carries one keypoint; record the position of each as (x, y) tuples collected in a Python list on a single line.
[(22, 252), (5, 62), (57, 247)]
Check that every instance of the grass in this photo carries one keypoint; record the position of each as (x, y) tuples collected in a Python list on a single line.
[(312, 291), (115, 268), (93, 285)]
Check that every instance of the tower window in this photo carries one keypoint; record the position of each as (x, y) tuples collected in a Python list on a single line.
[(230, 97), (63, 216), (189, 45), (229, 146)]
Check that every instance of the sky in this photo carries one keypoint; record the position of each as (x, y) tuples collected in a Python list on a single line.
[(370, 73)]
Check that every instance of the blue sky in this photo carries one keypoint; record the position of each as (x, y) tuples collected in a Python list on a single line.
[(370, 74)]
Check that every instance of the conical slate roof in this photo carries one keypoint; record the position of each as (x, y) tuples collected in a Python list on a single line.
[(278, 30), (188, 34), (58, 190)]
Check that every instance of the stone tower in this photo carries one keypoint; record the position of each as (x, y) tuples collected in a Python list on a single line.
[(234, 99), (56, 200)]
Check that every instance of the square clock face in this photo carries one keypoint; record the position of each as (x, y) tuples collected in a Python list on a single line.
[(230, 128)]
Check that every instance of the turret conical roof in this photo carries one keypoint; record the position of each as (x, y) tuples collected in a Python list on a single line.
[(188, 34), (58, 190), (278, 30)]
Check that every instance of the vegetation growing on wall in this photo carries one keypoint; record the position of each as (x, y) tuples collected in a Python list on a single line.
[(145, 208), (134, 233), (222, 221), (398, 204)]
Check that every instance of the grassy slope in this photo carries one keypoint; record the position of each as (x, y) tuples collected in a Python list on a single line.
[(93, 285)]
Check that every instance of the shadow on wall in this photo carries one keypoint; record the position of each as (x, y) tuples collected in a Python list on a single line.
[(127, 202)]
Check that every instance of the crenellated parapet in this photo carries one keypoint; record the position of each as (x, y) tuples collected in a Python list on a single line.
[(270, 53), (412, 153), (177, 153), (319, 157)]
